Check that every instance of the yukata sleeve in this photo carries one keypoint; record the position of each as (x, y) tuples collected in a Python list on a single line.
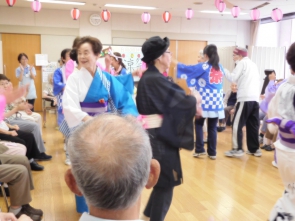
[(121, 98), (71, 104), (58, 84), (189, 71), (127, 81)]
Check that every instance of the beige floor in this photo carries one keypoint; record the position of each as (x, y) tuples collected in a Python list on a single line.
[(228, 189)]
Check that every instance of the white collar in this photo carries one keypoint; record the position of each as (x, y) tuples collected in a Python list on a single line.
[(87, 217), (291, 79)]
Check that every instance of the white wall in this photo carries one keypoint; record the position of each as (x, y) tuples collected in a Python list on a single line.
[(227, 32), (54, 44), (1, 59)]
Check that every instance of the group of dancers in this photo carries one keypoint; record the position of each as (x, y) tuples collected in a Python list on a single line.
[(86, 89)]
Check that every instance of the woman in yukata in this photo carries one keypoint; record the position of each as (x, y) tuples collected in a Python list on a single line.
[(91, 91)]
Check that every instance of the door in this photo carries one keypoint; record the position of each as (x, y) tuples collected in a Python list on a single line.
[(13, 45), (188, 51)]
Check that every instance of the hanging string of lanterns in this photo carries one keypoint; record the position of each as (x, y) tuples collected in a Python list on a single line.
[(146, 17), (105, 15), (10, 3), (276, 13), (166, 16), (235, 11), (189, 13), (255, 14), (36, 6), (75, 13)]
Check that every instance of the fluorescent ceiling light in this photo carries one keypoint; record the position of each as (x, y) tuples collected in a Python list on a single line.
[(59, 2), (217, 12), (129, 6)]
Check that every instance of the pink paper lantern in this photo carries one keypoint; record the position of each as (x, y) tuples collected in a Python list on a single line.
[(276, 14), (221, 6), (189, 13), (166, 16), (105, 15), (255, 14), (235, 11), (36, 6), (145, 17), (217, 3), (10, 3), (75, 13)]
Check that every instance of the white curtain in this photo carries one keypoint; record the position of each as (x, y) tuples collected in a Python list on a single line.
[(254, 28), (269, 58), (226, 60)]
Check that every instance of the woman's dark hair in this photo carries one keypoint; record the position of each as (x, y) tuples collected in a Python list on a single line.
[(291, 61), (63, 54), (3, 78), (74, 55), (19, 57), (291, 57), (95, 44), (211, 52), (120, 60)]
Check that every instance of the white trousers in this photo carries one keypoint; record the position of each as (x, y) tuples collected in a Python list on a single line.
[(284, 208), (14, 148)]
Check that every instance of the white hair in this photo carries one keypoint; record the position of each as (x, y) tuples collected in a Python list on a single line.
[(110, 158)]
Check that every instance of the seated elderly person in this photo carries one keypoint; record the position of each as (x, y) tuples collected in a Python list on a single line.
[(111, 166), (229, 102), (28, 126), (48, 92), (16, 172)]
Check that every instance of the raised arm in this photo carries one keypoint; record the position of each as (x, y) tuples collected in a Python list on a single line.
[(19, 72), (122, 98), (235, 75)]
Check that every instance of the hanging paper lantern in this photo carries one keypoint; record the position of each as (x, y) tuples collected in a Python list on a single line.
[(255, 14), (217, 3), (10, 3), (276, 14), (221, 6), (189, 13), (166, 16), (36, 6), (75, 13), (145, 17), (235, 11), (105, 15)]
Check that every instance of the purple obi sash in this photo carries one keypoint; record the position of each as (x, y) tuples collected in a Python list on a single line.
[(94, 108), (286, 131)]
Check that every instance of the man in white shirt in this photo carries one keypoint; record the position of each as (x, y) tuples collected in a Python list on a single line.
[(246, 75), (112, 162)]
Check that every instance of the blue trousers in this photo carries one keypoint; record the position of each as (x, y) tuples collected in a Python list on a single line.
[(212, 135)]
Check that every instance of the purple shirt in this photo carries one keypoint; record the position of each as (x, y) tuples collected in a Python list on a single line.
[(270, 92)]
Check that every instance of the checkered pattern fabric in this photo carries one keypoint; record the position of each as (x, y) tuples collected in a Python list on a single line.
[(59, 102), (212, 100)]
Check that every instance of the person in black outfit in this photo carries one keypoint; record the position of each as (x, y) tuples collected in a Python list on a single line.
[(13, 134), (169, 115)]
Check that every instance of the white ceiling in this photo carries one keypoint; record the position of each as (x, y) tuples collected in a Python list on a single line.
[(176, 7)]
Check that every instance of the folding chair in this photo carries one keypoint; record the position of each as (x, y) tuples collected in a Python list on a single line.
[(4, 195)]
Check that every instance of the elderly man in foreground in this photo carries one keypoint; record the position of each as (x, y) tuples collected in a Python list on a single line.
[(111, 164)]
